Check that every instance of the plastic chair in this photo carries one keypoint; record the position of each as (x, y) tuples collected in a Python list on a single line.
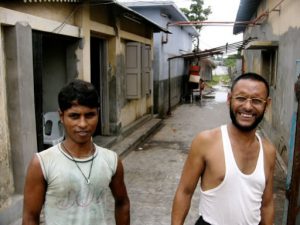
[(52, 128)]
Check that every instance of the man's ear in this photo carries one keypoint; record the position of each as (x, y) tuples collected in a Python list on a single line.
[(61, 115), (229, 95), (269, 101)]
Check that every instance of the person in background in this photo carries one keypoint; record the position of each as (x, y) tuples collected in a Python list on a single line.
[(202, 85), (234, 164), (70, 179)]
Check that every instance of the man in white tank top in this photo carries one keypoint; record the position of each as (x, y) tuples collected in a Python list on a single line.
[(234, 165), (70, 179)]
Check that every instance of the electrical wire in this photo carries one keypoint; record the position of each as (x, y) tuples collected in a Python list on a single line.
[(59, 28)]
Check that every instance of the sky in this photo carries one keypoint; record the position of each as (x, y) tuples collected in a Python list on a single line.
[(222, 10)]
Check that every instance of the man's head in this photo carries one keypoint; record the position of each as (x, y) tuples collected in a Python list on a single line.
[(78, 92), (248, 101), (79, 103), (254, 77)]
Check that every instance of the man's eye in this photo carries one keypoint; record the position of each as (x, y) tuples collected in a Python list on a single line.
[(257, 101), (90, 115), (73, 116), (240, 98)]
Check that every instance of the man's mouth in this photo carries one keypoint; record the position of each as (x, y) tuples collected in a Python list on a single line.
[(82, 133), (246, 115)]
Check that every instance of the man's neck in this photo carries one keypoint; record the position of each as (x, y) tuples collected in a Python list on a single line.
[(78, 150), (244, 136)]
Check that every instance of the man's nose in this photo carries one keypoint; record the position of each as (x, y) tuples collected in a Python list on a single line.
[(248, 103), (82, 122)]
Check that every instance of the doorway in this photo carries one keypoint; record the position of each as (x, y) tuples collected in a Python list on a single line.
[(54, 65), (100, 80)]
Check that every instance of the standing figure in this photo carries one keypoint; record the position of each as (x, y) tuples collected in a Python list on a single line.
[(234, 164), (70, 179), (202, 85)]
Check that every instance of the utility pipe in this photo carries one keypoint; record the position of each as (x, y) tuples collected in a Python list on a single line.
[(228, 23)]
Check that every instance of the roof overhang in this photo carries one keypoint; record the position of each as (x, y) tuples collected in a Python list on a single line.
[(155, 26), (168, 9), (120, 9), (247, 9), (260, 45)]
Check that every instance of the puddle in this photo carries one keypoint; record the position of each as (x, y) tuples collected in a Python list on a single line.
[(221, 96)]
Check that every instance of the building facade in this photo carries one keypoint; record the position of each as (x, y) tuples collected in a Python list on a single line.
[(168, 72), (275, 54), (44, 45)]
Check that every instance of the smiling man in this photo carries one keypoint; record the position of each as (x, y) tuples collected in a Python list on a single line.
[(234, 164), (70, 179)]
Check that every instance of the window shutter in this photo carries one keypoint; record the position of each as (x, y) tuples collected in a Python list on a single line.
[(146, 70), (133, 70)]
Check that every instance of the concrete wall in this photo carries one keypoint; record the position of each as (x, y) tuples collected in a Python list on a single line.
[(20, 111), (6, 181), (282, 26)]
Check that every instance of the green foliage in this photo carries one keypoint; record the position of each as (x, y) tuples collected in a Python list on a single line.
[(231, 60), (196, 12), (225, 79)]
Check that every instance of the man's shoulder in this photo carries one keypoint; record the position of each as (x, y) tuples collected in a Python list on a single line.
[(209, 134), (269, 148), (106, 153), (109, 156), (106, 150), (53, 150), (207, 140)]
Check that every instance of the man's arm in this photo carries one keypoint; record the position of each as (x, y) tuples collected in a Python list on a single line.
[(34, 193), (267, 208), (193, 168), (119, 192)]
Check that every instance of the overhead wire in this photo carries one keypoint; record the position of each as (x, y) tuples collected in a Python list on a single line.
[(64, 22)]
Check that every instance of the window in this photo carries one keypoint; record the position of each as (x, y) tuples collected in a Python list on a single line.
[(138, 70)]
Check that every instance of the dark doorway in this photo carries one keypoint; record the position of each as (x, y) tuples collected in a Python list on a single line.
[(97, 73), (37, 39), (54, 65)]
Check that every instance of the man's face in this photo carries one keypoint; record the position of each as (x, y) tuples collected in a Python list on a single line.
[(80, 123), (246, 114)]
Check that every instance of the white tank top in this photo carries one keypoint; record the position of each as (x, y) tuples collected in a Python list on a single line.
[(69, 199), (237, 200)]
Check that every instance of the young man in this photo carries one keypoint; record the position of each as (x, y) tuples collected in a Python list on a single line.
[(235, 165), (70, 179)]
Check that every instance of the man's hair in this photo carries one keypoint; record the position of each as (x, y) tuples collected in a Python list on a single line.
[(251, 76), (78, 92)]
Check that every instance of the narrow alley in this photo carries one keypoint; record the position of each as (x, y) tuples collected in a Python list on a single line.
[(152, 170)]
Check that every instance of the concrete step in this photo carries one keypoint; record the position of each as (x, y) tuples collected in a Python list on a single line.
[(136, 137)]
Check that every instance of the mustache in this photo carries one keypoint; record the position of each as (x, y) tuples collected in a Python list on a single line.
[(245, 128)]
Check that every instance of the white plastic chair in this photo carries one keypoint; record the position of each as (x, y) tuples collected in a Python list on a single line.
[(52, 128)]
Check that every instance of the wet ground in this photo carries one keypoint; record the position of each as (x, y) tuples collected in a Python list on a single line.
[(153, 170)]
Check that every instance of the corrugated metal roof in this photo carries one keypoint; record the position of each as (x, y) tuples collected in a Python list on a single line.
[(245, 12), (228, 48)]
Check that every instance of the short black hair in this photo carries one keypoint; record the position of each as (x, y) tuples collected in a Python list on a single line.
[(251, 76), (78, 92)]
